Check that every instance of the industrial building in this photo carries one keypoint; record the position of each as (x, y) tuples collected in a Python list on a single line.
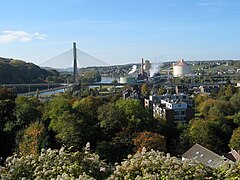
[(181, 68)]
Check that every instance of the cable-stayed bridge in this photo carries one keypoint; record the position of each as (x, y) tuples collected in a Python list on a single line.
[(65, 60), (72, 58)]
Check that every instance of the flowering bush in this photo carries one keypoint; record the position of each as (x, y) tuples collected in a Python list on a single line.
[(157, 165), (229, 170), (64, 165), (55, 164)]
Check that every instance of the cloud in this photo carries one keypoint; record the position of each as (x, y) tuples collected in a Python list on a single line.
[(19, 36), (205, 4), (209, 3)]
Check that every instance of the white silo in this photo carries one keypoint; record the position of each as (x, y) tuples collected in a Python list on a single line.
[(181, 68)]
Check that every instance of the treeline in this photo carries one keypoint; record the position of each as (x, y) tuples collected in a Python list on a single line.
[(114, 127), (17, 71), (217, 123), (111, 71)]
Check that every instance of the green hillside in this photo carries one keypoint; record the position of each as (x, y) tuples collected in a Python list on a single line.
[(18, 71)]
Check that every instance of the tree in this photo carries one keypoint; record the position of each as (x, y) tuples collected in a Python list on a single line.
[(230, 90), (235, 102), (215, 109), (236, 118), (112, 119), (56, 107), (28, 109), (77, 124), (162, 90), (7, 105), (145, 90), (34, 139), (91, 76), (150, 140), (200, 98), (213, 135), (138, 118), (235, 139)]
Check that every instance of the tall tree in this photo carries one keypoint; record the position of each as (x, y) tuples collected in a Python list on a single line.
[(7, 105), (235, 140), (150, 140), (213, 135), (34, 139)]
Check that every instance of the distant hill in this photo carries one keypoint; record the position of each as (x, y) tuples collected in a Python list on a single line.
[(18, 71)]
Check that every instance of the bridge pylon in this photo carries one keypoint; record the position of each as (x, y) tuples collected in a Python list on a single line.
[(75, 68)]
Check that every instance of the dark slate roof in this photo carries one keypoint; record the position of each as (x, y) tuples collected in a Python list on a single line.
[(204, 156)]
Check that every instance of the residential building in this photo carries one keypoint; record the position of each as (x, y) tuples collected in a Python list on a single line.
[(174, 108)]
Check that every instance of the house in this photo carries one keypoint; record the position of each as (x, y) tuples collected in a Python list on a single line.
[(233, 155), (209, 88), (204, 156)]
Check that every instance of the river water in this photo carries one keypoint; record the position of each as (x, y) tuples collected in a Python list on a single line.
[(104, 80)]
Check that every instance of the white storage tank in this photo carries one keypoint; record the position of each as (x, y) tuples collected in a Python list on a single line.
[(128, 80), (181, 68)]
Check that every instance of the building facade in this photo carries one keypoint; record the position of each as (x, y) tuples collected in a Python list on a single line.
[(174, 108)]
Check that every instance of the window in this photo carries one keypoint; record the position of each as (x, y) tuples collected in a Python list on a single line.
[(209, 161)]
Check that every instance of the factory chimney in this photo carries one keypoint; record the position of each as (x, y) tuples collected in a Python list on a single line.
[(75, 69), (142, 70)]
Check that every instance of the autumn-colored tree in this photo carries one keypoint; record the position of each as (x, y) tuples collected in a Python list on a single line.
[(150, 140), (33, 140)]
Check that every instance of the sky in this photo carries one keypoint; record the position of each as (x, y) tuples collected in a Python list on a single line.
[(120, 31)]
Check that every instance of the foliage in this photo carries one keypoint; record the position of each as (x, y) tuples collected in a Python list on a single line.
[(34, 139), (55, 164), (90, 76), (68, 164), (145, 90), (235, 139), (213, 135), (150, 140), (111, 118), (27, 110), (215, 109), (75, 124), (55, 108), (138, 118), (157, 165), (235, 102), (7, 105), (16, 71), (229, 170), (162, 90)]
